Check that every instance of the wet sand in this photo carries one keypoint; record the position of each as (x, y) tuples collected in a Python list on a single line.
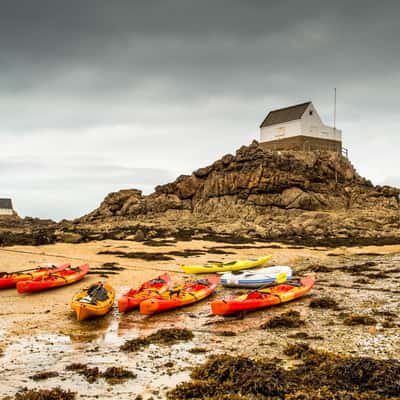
[(38, 332)]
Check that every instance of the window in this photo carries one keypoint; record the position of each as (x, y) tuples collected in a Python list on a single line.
[(310, 112)]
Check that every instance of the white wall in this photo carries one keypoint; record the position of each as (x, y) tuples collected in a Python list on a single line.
[(307, 125), (6, 211), (280, 131), (312, 125)]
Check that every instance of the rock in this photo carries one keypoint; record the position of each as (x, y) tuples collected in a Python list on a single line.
[(139, 236), (307, 197), (70, 237)]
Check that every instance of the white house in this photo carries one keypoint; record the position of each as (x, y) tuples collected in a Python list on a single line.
[(6, 207), (298, 127)]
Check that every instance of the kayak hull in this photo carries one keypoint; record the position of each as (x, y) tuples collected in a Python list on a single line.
[(84, 310), (11, 280), (263, 298), (255, 278), (62, 278), (223, 267), (187, 294), (147, 290)]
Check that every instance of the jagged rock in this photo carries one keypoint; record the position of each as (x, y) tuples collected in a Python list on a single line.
[(270, 195), (307, 197)]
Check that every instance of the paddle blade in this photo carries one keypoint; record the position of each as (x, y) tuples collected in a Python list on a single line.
[(281, 277)]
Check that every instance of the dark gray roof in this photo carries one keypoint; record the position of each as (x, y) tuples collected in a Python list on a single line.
[(6, 203), (285, 114)]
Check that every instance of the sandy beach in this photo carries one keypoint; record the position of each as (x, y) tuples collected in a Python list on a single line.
[(39, 331)]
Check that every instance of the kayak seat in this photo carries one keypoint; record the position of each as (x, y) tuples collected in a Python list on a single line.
[(202, 282), (157, 280), (98, 292)]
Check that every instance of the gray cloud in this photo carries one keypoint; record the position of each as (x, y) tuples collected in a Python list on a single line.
[(173, 84), (65, 188)]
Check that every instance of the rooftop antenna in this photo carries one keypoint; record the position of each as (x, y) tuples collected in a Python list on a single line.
[(334, 112)]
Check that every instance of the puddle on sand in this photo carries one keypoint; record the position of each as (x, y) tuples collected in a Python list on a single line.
[(96, 343), (157, 367)]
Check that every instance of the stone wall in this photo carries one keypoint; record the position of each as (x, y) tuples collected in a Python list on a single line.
[(303, 143)]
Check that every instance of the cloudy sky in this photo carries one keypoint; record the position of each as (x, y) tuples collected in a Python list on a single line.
[(99, 95)]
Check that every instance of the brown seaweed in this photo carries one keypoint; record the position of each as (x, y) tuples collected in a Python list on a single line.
[(162, 336), (45, 394), (324, 302), (318, 376), (289, 319)]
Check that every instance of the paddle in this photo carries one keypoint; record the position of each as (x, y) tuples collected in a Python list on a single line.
[(23, 270), (91, 297)]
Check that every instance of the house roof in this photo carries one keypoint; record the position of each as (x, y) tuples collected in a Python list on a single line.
[(6, 203), (285, 114)]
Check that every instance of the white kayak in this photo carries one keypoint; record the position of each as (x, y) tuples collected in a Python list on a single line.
[(256, 278)]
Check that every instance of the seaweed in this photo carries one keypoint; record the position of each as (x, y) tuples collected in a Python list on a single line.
[(112, 375), (362, 281), (225, 333), (197, 350), (45, 394), (318, 375), (357, 268), (142, 255), (159, 243), (162, 336), (289, 319), (115, 375), (44, 375), (388, 323), (91, 374), (324, 302), (319, 268), (305, 336), (357, 319), (378, 275), (155, 256)]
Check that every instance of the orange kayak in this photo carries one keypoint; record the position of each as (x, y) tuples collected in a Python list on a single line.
[(264, 297), (9, 280), (147, 290), (188, 293), (65, 277), (94, 301)]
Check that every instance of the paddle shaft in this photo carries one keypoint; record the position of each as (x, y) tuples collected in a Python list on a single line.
[(22, 271)]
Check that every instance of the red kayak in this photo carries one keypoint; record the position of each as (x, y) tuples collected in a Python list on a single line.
[(65, 277), (9, 280), (262, 298), (149, 289), (188, 293)]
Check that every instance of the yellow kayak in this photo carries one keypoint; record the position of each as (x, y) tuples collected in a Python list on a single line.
[(229, 266), (94, 301)]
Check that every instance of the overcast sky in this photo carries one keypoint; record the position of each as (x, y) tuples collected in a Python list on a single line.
[(96, 96)]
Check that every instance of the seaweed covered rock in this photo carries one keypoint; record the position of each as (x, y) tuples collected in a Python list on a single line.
[(319, 376), (45, 394), (162, 336)]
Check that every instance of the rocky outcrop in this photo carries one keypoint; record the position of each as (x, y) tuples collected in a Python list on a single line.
[(26, 231), (290, 196), (299, 197)]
